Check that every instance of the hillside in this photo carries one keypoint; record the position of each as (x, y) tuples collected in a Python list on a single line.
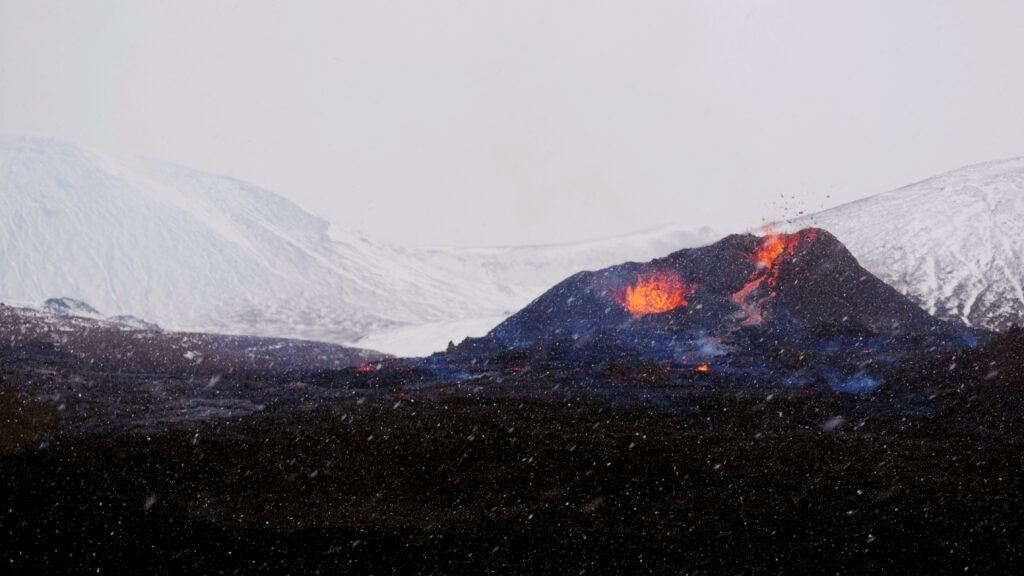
[(951, 243), (198, 252)]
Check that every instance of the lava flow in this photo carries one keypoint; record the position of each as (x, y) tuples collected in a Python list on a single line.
[(658, 292), (772, 249)]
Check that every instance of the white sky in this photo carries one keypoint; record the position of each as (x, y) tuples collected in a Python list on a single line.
[(480, 123)]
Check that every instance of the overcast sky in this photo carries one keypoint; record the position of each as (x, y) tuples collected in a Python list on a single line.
[(517, 122)]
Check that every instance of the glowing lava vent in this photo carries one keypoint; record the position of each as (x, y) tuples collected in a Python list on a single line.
[(657, 292), (772, 250)]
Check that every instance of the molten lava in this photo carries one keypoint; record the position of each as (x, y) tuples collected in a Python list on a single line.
[(772, 249), (658, 292)]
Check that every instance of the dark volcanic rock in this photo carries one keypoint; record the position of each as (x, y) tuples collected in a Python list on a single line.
[(809, 293), (121, 347), (69, 306), (741, 482), (23, 421), (983, 385)]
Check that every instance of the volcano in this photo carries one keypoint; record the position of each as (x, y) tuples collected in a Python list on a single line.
[(726, 304)]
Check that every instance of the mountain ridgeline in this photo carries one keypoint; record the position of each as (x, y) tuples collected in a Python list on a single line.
[(191, 251), (197, 252)]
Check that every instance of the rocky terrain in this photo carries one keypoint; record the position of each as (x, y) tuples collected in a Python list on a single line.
[(425, 466)]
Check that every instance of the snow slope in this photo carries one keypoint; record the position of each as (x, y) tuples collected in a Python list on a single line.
[(953, 243), (199, 252)]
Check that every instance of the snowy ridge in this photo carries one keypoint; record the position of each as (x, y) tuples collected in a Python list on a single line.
[(951, 243), (198, 252)]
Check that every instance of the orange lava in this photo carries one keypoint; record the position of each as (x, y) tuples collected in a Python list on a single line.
[(772, 249), (703, 368), (658, 292), (367, 367)]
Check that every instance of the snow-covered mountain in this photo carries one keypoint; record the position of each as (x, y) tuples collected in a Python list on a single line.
[(194, 251), (953, 243)]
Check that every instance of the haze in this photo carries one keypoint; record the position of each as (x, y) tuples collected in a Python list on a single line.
[(485, 123)]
